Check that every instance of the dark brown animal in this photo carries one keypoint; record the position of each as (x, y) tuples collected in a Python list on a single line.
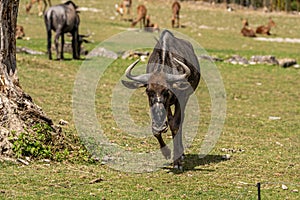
[(40, 5), (266, 29), (172, 75), (141, 12), (20, 32), (63, 18), (151, 27), (247, 31), (175, 14)]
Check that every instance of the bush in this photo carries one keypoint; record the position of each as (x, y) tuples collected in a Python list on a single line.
[(43, 143)]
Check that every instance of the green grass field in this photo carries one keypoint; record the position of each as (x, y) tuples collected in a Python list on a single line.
[(261, 149)]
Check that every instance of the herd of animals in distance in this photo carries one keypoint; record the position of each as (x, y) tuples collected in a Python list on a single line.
[(124, 9)]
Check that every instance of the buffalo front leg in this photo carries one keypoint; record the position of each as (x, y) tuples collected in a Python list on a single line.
[(75, 44), (57, 44), (62, 46), (163, 147), (49, 43), (175, 123)]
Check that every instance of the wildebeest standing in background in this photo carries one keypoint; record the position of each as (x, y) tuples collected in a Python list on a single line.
[(142, 12), (175, 14), (63, 18), (31, 2), (172, 75)]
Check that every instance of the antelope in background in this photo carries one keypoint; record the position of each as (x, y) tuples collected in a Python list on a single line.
[(246, 30), (40, 5), (124, 7), (266, 29), (175, 12), (20, 33), (142, 12)]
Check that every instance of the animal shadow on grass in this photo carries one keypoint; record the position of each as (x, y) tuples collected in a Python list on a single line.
[(191, 161)]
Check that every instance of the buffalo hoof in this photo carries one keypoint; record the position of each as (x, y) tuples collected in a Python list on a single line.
[(178, 164), (166, 152)]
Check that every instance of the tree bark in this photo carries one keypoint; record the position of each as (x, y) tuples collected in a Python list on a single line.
[(17, 110)]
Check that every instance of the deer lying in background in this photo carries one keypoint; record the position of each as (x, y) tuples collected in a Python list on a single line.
[(175, 12), (142, 12), (31, 2), (20, 32), (124, 7), (246, 30), (151, 27), (266, 29)]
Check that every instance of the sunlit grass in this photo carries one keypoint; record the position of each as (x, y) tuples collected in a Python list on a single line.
[(266, 150)]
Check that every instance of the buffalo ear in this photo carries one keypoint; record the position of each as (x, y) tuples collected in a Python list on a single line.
[(133, 85)]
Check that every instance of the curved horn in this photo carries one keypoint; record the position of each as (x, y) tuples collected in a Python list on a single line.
[(174, 78), (143, 78)]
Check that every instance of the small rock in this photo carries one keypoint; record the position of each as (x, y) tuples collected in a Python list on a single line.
[(258, 59), (284, 187), (28, 51), (226, 157), (63, 122), (278, 143), (297, 66), (23, 161), (287, 62), (274, 118), (236, 59), (295, 190), (97, 180), (102, 52)]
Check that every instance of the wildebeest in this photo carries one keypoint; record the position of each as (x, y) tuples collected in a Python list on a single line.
[(246, 30), (31, 2), (142, 12), (266, 29), (172, 75), (63, 18), (175, 14)]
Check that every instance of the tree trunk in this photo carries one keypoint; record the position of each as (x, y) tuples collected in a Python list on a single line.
[(17, 110)]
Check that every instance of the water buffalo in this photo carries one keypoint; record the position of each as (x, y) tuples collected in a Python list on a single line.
[(172, 75), (63, 18)]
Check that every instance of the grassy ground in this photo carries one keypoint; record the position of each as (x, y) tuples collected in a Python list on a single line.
[(262, 150)]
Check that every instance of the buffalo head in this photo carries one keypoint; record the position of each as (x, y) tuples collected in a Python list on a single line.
[(160, 87)]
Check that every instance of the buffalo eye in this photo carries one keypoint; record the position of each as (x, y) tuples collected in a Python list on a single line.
[(150, 92)]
